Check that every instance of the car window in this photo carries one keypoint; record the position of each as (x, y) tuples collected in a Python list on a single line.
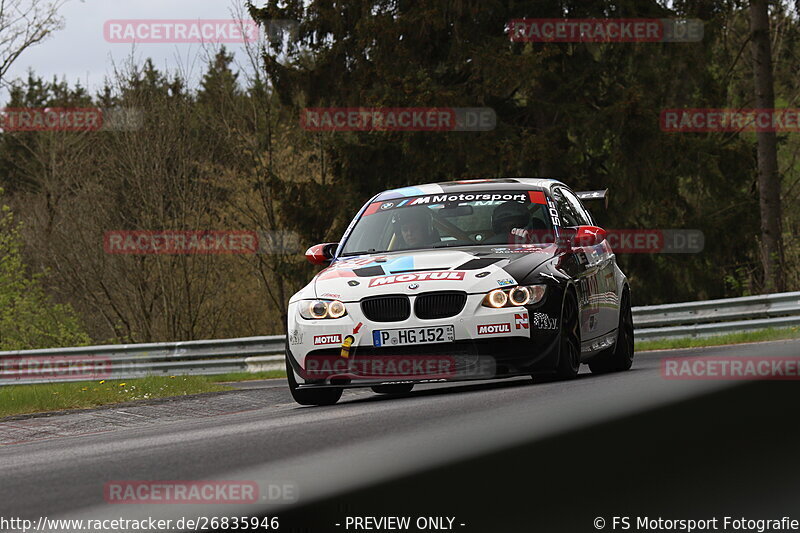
[(570, 208), (437, 220)]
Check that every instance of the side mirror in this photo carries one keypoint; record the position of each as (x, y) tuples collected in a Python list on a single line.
[(321, 254), (588, 236)]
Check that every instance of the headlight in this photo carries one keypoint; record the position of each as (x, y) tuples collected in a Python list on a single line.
[(497, 298), (515, 297), (318, 309)]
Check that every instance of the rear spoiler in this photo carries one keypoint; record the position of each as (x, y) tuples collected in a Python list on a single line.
[(586, 196)]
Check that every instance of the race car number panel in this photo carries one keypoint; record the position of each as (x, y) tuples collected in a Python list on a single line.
[(401, 337)]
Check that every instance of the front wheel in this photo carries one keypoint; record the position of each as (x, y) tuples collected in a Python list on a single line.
[(328, 396), (569, 343), (620, 356)]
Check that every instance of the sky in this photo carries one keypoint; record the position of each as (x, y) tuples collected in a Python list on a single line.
[(80, 52)]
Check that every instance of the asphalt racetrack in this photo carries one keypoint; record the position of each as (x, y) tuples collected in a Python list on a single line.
[(492, 456)]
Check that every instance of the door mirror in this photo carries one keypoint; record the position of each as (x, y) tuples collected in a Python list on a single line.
[(320, 254), (588, 236)]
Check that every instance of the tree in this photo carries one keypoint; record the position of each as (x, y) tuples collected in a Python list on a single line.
[(24, 23), (769, 180), (28, 319)]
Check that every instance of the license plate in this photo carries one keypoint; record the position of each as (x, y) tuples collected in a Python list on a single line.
[(401, 337)]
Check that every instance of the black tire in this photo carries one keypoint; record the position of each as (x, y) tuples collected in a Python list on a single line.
[(327, 396), (399, 388), (620, 356), (569, 352)]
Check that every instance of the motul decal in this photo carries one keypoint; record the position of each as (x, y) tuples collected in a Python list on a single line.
[(320, 340), (491, 329), (447, 275), (521, 320)]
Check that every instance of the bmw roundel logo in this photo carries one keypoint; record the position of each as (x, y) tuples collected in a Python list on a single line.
[(414, 286), (387, 205), (354, 283)]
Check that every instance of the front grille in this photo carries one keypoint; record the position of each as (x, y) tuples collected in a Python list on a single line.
[(386, 308), (439, 304)]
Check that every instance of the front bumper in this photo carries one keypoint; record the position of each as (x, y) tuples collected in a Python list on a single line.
[(512, 345)]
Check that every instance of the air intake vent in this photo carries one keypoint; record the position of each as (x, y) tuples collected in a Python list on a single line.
[(386, 308), (439, 304)]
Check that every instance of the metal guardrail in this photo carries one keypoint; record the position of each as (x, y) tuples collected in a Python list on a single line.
[(253, 354), (717, 317), (126, 361)]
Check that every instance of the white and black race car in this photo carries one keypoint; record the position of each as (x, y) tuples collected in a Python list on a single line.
[(465, 280)]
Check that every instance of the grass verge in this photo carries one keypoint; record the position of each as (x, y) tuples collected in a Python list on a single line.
[(247, 376), (28, 399), (772, 334)]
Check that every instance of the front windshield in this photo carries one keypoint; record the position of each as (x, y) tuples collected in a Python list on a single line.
[(444, 220)]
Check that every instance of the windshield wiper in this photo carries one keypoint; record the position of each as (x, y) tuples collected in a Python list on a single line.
[(365, 252)]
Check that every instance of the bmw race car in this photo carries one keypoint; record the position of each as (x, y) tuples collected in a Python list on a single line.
[(465, 280)]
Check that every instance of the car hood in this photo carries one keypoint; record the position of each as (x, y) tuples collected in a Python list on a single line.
[(471, 269)]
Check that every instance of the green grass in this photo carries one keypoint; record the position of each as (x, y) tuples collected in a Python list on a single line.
[(248, 376), (27, 399), (771, 334)]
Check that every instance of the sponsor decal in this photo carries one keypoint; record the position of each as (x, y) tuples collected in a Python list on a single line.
[(506, 282), (331, 295), (521, 320), (447, 275), (468, 197), (434, 199), (551, 208), (537, 197), (493, 329), (482, 274), (543, 321), (296, 337), (320, 340)]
